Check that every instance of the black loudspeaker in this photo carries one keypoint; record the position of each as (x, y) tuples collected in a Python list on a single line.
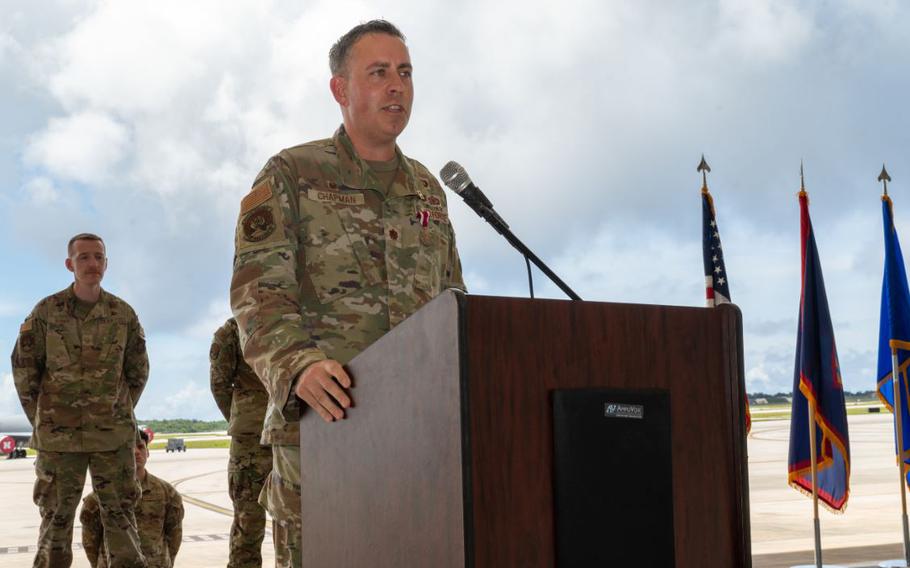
[(613, 468)]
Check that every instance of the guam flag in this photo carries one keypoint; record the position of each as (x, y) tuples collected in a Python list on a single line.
[(817, 382), (894, 327)]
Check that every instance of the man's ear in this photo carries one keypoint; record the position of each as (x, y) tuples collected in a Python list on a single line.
[(338, 87), (69, 265)]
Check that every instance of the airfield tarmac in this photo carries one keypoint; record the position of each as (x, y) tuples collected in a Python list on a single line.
[(868, 533)]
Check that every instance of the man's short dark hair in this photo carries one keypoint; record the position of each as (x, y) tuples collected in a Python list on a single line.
[(82, 237), (144, 436), (338, 55)]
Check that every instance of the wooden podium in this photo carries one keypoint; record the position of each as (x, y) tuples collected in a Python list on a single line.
[(461, 450)]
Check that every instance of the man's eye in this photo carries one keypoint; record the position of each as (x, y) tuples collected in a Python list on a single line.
[(405, 74)]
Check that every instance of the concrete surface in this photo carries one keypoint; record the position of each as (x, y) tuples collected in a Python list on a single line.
[(869, 531)]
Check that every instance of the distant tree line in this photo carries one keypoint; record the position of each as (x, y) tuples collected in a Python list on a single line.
[(184, 425), (786, 397)]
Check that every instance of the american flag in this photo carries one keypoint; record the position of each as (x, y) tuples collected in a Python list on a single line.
[(717, 287)]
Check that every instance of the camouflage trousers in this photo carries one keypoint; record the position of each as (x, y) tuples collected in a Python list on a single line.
[(58, 490), (248, 468), (281, 498)]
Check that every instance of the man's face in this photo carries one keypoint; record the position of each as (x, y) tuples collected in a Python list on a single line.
[(376, 92), (87, 262), (142, 453)]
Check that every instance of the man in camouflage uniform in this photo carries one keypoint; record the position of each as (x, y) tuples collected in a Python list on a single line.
[(338, 241), (159, 515), (79, 366), (242, 399)]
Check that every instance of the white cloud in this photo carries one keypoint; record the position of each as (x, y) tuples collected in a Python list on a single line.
[(583, 123), (9, 400), (191, 400), (85, 147), (763, 30)]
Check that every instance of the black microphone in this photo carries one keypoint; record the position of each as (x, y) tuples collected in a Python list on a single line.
[(457, 179)]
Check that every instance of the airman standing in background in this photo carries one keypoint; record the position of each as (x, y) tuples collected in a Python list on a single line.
[(80, 365), (242, 399)]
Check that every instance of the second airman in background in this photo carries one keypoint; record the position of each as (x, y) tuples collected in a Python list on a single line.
[(242, 399)]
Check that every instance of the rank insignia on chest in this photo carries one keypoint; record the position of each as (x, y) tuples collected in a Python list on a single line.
[(258, 224)]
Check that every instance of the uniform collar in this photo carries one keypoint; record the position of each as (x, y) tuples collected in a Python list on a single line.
[(355, 173), (102, 307)]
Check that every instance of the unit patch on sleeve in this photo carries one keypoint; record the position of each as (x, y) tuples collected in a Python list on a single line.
[(258, 224)]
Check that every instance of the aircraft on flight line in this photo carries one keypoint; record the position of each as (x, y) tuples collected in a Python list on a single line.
[(15, 432)]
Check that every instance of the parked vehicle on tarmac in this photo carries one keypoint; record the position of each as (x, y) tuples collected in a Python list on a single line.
[(175, 445)]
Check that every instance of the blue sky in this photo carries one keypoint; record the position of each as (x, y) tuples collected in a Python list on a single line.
[(583, 122)]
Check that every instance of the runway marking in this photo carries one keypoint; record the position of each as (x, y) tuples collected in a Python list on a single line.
[(31, 549), (205, 504)]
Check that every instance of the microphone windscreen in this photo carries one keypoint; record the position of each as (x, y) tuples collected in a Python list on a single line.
[(455, 177)]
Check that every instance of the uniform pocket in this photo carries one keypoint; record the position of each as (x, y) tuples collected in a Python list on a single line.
[(331, 251), (44, 493)]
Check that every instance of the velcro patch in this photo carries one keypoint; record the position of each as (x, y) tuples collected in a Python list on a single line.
[(438, 216), (26, 326), (257, 196), (258, 225), (335, 197)]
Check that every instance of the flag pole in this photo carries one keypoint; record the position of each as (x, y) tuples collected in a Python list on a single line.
[(898, 417), (818, 532), (896, 390)]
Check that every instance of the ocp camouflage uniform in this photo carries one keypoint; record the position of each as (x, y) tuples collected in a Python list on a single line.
[(242, 399), (328, 258), (159, 515), (79, 370)]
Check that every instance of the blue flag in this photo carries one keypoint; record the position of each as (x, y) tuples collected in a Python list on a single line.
[(894, 327), (817, 381)]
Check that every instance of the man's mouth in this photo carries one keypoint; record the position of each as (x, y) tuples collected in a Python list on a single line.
[(394, 108)]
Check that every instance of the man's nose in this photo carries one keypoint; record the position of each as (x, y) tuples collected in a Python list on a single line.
[(396, 83)]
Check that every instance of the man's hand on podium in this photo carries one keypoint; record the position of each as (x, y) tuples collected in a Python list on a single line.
[(321, 385)]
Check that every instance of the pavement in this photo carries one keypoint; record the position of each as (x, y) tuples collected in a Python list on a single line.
[(782, 534)]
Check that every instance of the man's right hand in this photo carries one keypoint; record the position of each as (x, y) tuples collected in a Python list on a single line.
[(322, 386)]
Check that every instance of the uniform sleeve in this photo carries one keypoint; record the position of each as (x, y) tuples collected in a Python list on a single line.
[(222, 368), (92, 529), (173, 523), (28, 362), (452, 276), (265, 296), (136, 364)]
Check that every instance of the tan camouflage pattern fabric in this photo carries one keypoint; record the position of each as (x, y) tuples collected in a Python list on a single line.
[(249, 466), (79, 379), (282, 497), (159, 516), (58, 488), (242, 399), (238, 392), (327, 260)]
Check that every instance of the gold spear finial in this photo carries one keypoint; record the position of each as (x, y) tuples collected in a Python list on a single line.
[(703, 167), (884, 178)]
